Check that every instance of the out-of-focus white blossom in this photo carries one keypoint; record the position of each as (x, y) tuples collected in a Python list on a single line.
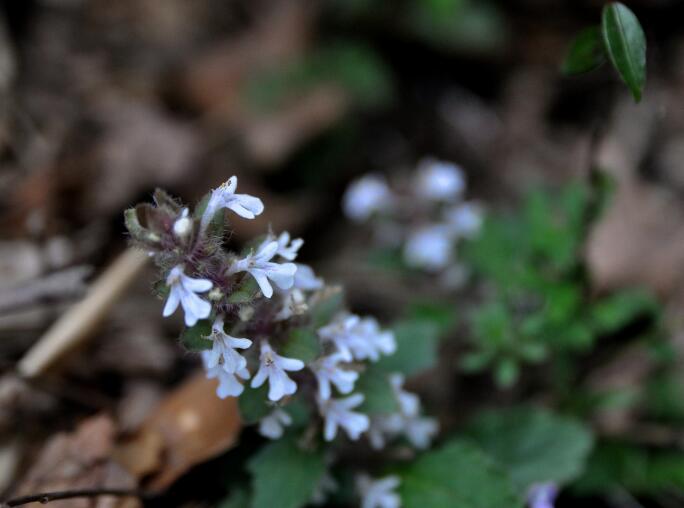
[(542, 495), (439, 180), (286, 249), (294, 304), (356, 338), (183, 290), (429, 247), (260, 266), (273, 367), (305, 278), (338, 413), (222, 352), (182, 228), (366, 196), (378, 493), (464, 220), (328, 371), (273, 425), (229, 385), (224, 196)]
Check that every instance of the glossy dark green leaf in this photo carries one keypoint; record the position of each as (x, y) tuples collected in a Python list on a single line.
[(586, 52), (625, 44)]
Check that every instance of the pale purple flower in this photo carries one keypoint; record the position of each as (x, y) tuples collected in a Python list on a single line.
[(429, 247), (465, 219), (224, 197), (338, 413), (223, 352), (439, 181), (183, 290), (357, 338), (286, 249), (229, 385), (378, 493), (420, 431), (273, 425), (542, 495), (260, 266), (305, 278), (273, 367), (328, 372), (366, 196)]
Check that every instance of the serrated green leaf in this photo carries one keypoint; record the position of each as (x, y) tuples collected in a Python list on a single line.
[(253, 403), (625, 44), (417, 343), (377, 391), (586, 52), (533, 445), (195, 338), (284, 475), (457, 475), (303, 344)]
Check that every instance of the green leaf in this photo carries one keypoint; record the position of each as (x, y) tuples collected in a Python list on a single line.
[(417, 342), (440, 313), (253, 403), (586, 52), (239, 498), (303, 344), (284, 475), (246, 292), (616, 311), (507, 372), (625, 44), (533, 445), (195, 338), (326, 305), (457, 475), (378, 394)]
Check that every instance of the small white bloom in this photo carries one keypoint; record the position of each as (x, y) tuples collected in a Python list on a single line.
[(328, 371), (439, 181), (384, 427), (182, 228), (286, 249), (228, 386), (224, 197), (409, 403), (260, 266), (420, 431), (326, 485), (378, 493), (183, 290), (429, 247), (273, 367), (365, 196), (273, 425), (305, 279), (357, 338), (223, 351), (542, 495), (465, 219), (294, 304), (338, 413)]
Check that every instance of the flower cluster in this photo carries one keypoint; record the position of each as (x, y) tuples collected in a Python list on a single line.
[(262, 321), (425, 216)]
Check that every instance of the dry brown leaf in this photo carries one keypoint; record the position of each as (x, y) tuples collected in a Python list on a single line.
[(80, 460), (190, 426)]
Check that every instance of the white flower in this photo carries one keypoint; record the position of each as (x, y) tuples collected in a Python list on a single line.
[(439, 181), (465, 219), (357, 338), (365, 196), (429, 247), (223, 351), (260, 266), (183, 289), (338, 413), (182, 228), (328, 371), (228, 386), (542, 495), (273, 367), (294, 304), (286, 249), (384, 427), (224, 197), (378, 493), (420, 431), (272, 425), (305, 278)]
